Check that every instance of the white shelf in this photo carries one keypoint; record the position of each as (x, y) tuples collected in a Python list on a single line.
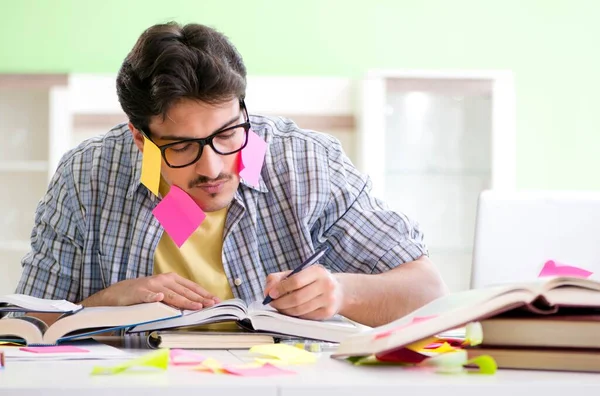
[(15, 246), (23, 166)]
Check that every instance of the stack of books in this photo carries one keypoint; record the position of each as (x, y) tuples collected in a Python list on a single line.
[(568, 341), (549, 324)]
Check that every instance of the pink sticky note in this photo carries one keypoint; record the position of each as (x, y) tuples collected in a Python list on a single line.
[(180, 357), (54, 349), (552, 268), (266, 370), (252, 158), (416, 319), (179, 215)]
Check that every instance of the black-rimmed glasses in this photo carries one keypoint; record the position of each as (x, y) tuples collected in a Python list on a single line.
[(226, 141)]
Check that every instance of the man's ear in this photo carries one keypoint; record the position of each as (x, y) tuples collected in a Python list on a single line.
[(138, 137)]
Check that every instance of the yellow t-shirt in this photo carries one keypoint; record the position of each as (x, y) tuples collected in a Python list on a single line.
[(200, 258)]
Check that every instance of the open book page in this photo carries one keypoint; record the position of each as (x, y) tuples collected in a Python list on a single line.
[(92, 320), (266, 318), (572, 292), (26, 328), (25, 303), (228, 310)]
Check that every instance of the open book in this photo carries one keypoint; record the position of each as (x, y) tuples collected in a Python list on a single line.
[(257, 317), (543, 297), (76, 322)]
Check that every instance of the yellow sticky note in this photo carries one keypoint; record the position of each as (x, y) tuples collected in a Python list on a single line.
[(444, 348), (158, 360), (418, 345), (151, 166), (486, 364), (473, 334), (285, 353)]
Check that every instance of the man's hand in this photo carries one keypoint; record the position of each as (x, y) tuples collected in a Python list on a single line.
[(169, 288), (313, 293)]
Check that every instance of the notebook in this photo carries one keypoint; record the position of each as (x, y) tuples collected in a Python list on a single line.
[(77, 321), (207, 339), (541, 359), (542, 297), (257, 317)]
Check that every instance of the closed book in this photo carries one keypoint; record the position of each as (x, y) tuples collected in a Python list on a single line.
[(558, 331), (558, 359)]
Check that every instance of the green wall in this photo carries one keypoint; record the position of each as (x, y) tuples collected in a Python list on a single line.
[(552, 47)]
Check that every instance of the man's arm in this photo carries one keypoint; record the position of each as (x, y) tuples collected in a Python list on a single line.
[(378, 299)]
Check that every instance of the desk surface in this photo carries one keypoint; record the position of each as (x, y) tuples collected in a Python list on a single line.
[(326, 377)]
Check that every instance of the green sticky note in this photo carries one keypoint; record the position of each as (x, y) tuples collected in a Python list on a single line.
[(157, 360), (486, 364)]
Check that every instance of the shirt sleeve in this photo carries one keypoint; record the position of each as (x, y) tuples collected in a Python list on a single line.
[(366, 236), (52, 267)]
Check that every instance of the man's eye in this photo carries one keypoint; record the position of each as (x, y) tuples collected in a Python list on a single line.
[(181, 148)]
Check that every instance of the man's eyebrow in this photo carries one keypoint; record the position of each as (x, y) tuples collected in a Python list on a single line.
[(175, 137)]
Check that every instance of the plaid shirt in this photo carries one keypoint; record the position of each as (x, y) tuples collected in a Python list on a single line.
[(95, 227)]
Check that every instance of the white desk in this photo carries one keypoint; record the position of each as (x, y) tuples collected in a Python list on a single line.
[(327, 377)]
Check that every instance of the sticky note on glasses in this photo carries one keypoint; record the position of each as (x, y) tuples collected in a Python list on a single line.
[(179, 215), (150, 166), (252, 158)]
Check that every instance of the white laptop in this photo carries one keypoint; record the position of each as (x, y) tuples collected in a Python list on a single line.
[(517, 232)]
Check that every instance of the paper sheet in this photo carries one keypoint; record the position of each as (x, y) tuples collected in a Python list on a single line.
[(179, 215), (55, 349), (96, 351), (151, 166), (252, 158)]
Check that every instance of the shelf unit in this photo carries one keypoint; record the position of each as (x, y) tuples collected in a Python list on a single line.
[(432, 141), (35, 117)]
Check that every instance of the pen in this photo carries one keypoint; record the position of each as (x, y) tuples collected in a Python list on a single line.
[(307, 263)]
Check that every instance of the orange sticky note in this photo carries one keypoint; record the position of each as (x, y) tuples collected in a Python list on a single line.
[(151, 166)]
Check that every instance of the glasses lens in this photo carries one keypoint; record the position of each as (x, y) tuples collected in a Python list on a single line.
[(230, 141), (182, 154)]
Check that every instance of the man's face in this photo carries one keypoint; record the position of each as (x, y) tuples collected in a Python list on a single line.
[(213, 179)]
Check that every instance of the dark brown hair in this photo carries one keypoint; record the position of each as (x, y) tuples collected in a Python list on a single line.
[(170, 62)]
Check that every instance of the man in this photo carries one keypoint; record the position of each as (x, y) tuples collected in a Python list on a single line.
[(96, 241)]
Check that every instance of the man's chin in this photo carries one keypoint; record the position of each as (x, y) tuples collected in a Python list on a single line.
[(212, 204)]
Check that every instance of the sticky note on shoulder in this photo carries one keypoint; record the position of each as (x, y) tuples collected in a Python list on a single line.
[(252, 158), (150, 166)]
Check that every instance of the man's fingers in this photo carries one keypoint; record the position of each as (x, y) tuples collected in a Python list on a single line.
[(298, 297), (172, 297), (150, 296), (295, 282), (273, 279), (194, 287)]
